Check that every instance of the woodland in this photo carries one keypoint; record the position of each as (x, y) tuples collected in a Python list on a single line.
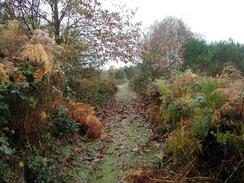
[(175, 113)]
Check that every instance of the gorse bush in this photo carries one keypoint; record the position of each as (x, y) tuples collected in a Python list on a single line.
[(205, 115)]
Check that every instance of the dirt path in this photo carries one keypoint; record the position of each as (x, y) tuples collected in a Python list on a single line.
[(125, 148), (124, 92), (127, 134)]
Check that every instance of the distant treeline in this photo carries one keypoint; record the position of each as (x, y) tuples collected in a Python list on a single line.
[(211, 58)]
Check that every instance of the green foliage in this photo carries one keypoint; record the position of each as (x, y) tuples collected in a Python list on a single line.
[(205, 116), (27, 70), (140, 82), (11, 97), (120, 74), (91, 86), (208, 87), (181, 146), (124, 73), (5, 113), (63, 125), (130, 72), (211, 58), (39, 169), (195, 54), (163, 90), (172, 112), (201, 125), (5, 147), (7, 174), (17, 97), (31, 93), (229, 138)]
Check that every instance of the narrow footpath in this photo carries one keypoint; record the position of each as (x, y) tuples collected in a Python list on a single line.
[(126, 149)]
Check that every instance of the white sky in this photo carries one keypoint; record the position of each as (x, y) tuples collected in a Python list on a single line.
[(214, 19)]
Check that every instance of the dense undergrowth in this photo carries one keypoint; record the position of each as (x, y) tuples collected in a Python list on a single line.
[(91, 86), (193, 91), (200, 121), (38, 108)]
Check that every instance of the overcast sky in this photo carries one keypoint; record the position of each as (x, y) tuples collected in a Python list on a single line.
[(214, 19)]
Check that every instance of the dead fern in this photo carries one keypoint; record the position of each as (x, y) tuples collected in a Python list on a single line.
[(154, 113), (84, 114), (39, 57), (232, 72), (94, 127), (4, 78), (224, 110), (11, 38)]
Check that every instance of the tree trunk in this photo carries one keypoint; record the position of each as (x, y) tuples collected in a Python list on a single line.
[(56, 22)]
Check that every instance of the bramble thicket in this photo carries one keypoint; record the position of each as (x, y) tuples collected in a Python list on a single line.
[(174, 114)]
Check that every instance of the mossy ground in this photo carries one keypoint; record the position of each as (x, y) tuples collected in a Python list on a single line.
[(124, 151), (124, 148)]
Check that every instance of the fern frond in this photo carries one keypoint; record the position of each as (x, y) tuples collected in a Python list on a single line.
[(232, 91), (11, 38), (94, 127), (163, 89), (84, 114), (39, 57), (3, 75), (154, 113), (9, 33), (218, 114), (232, 72)]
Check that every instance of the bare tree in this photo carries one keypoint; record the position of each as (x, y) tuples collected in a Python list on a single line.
[(26, 11)]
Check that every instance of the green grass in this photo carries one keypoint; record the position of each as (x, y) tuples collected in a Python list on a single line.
[(123, 153)]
